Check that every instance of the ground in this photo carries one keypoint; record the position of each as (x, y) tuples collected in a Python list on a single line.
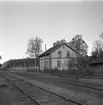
[(8, 94), (77, 93)]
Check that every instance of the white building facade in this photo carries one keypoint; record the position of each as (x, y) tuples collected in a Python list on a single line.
[(57, 57)]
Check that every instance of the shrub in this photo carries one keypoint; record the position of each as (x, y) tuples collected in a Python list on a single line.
[(89, 72)]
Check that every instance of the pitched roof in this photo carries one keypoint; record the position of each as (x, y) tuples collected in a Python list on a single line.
[(50, 50), (96, 60), (88, 58)]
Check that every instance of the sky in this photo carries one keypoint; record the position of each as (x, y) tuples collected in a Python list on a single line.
[(48, 19)]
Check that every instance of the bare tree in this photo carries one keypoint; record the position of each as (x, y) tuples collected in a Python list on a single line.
[(97, 49), (101, 36), (79, 45), (59, 42), (0, 57), (34, 47)]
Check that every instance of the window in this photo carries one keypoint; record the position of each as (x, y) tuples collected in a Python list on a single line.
[(59, 54), (47, 64), (68, 64), (44, 64), (63, 46), (58, 64), (68, 54)]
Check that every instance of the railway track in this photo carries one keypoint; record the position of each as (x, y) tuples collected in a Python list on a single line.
[(81, 84), (93, 86), (38, 95), (97, 87)]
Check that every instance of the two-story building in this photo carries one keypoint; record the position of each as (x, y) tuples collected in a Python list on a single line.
[(58, 57)]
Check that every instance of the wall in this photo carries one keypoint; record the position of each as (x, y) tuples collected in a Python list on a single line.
[(64, 60), (44, 62), (64, 52), (64, 63)]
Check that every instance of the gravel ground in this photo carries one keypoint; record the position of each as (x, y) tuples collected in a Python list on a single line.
[(96, 81), (68, 93), (9, 95)]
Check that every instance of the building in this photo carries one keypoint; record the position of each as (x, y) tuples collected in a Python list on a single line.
[(97, 62), (57, 57), (21, 63)]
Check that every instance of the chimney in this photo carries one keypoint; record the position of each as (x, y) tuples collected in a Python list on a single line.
[(45, 47)]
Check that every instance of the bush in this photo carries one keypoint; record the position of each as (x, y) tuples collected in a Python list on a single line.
[(78, 72), (62, 72), (89, 71), (54, 71), (98, 74)]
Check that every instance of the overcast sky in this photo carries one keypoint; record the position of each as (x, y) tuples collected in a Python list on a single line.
[(50, 21)]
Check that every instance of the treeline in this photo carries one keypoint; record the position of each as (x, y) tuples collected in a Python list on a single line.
[(27, 62)]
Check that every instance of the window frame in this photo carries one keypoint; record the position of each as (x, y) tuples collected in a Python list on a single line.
[(68, 54), (59, 54)]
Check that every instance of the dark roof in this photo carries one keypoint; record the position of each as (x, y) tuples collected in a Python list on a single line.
[(50, 50), (96, 60), (88, 58)]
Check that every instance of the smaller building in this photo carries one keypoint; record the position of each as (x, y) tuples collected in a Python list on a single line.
[(57, 57), (97, 62)]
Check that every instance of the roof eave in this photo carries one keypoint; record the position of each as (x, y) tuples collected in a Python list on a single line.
[(44, 55)]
